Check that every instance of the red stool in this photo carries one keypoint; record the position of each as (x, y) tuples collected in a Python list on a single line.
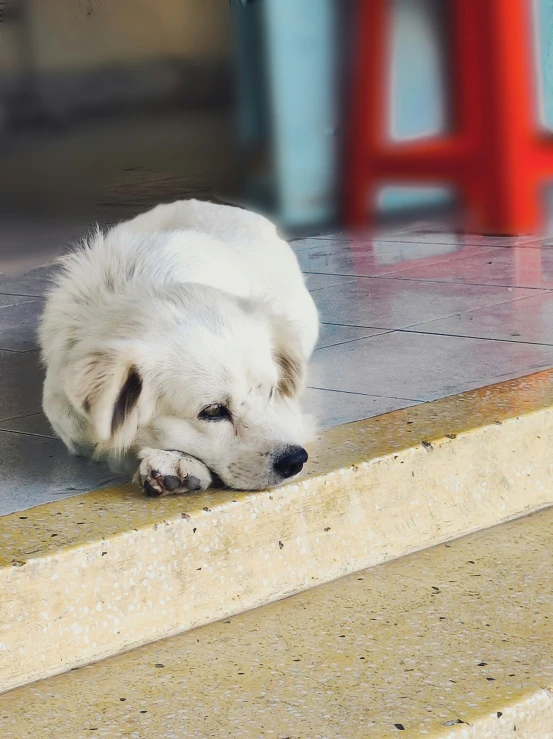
[(496, 156)]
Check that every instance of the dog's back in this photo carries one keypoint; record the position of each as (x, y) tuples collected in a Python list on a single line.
[(188, 241)]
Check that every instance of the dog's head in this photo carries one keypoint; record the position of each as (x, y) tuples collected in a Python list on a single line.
[(202, 372)]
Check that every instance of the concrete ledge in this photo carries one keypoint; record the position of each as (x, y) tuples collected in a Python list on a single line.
[(450, 643), (93, 575)]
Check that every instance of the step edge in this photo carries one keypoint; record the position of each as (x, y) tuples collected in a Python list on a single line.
[(293, 508)]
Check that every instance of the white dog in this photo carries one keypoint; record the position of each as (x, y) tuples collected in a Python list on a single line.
[(179, 341)]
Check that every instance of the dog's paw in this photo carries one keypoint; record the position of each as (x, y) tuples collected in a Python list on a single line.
[(164, 472)]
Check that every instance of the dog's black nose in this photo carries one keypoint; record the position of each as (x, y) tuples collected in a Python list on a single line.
[(290, 462)]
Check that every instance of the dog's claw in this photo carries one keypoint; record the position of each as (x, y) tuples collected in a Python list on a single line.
[(150, 490), (164, 472)]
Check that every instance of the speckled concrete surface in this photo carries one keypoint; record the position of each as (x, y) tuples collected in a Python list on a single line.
[(452, 643), (89, 576)]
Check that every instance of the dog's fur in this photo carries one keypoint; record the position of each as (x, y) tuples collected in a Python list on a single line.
[(189, 306)]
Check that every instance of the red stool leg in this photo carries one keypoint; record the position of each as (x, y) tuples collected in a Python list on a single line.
[(368, 114), (493, 94), (494, 156)]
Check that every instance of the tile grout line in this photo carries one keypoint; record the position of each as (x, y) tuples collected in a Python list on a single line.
[(410, 330), (439, 318), (466, 336), (469, 284), (323, 287), (475, 310), (381, 332), (354, 325), (439, 260), (343, 240), (17, 418), (32, 298), (389, 276), (28, 433), (532, 244), (365, 395), (20, 351)]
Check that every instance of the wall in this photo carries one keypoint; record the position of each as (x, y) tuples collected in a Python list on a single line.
[(69, 56), (87, 33), (93, 33)]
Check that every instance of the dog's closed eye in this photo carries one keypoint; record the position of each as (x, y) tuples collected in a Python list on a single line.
[(215, 412)]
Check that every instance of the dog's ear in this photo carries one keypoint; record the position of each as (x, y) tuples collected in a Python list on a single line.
[(291, 363), (106, 385), (292, 366)]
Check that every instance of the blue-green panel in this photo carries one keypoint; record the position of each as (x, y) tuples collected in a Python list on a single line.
[(301, 51)]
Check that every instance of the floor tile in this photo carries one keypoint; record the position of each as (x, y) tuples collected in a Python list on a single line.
[(520, 267), (21, 386), (435, 235), (6, 301), (365, 257), (380, 302), (529, 319), (311, 242), (33, 241), (362, 366), (383, 231), (35, 470), (317, 282), (423, 366), (332, 408), (331, 334), (33, 283), (36, 424), (19, 324)]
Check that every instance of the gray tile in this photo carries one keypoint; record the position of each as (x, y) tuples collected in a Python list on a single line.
[(331, 408), (369, 258), (527, 266), (529, 319), (7, 301), (362, 367), (21, 386), (546, 242), (36, 424), (35, 241), (317, 282), (380, 302), (310, 242), (18, 325), (35, 470), (382, 231), (331, 334), (423, 366), (33, 283), (436, 234)]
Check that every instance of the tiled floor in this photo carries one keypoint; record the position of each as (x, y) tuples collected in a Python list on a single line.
[(409, 317)]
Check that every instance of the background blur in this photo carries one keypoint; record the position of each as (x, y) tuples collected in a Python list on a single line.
[(108, 107)]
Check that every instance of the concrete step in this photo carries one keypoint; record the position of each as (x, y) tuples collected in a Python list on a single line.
[(449, 643), (85, 578)]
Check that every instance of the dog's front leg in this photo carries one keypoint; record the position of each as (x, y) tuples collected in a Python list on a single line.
[(163, 472)]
